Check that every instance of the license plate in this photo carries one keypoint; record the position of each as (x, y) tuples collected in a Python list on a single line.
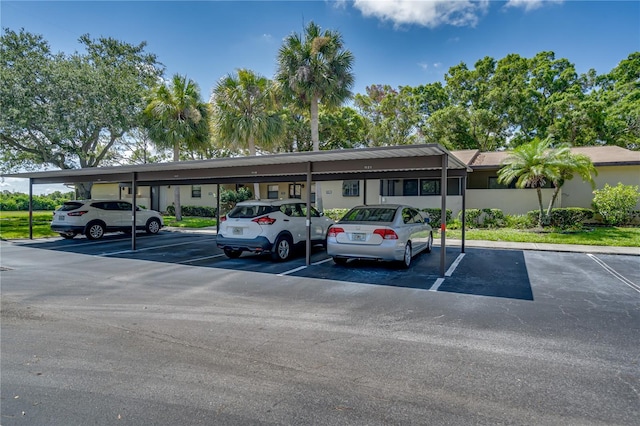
[(358, 236), (237, 231), (61, 217)]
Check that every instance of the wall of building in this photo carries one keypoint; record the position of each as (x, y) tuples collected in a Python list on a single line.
[(577, 193), (510, 201)]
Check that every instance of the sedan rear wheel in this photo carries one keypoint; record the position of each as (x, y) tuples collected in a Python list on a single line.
[(406, 261), (340, 260)]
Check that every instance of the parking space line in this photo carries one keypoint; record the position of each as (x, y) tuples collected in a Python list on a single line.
[(454, 265), (292, 271), (437, 284), (322, 261), (152, 248), (202, 258), (615, 273)]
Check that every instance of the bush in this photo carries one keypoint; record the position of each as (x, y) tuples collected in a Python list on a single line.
[(335, 214), (435, 215), (229, 198), (17, 201), (570, 217), (520, 221), (194, 211), (616, 203), (483, 218)]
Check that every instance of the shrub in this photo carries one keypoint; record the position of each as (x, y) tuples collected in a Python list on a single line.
[(17, 201), (616, 203), (435, 215), (520, 221), (483, 218), (335, 214), (194, 211), (229, 198), (570, 217)]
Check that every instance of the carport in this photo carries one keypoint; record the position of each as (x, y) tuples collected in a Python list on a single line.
[(408, 161)]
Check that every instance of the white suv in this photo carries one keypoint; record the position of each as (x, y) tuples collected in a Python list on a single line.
[(270, 226), (95, 217)]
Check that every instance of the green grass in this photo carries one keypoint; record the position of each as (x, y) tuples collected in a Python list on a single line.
[(16, 224), (189, 222), (595, 236)]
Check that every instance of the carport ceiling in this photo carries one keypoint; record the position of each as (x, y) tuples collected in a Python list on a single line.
[(368, 163)]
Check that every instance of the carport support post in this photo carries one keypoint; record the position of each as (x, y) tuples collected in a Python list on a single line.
[(464, 209), (30, 208), (443, 214), (133, 210), (217, 208), (364, 192), (308, 245)]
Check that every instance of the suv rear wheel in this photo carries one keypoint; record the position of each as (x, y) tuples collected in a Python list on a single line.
[(281, 248), (94, 230), (232, 254)]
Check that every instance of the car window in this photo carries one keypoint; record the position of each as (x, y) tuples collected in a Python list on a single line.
[(70, 205), (123, 205), (369, 214), (314, 212), (407, 216), (100, 205), (417, 217)]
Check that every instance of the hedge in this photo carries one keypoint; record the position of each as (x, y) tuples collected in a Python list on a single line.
[(194, 211), (435, 214), (483, 218), (564, 218)]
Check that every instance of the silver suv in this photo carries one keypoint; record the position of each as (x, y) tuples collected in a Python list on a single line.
[(95, 217), (270, 226)]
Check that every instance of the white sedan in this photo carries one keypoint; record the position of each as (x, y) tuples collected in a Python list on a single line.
[(388, 232)]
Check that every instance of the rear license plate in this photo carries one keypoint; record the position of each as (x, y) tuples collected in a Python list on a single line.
[(237, 231), (61, 217), (358, 236)]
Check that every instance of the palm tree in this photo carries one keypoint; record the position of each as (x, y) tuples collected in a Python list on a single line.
[(314, 69), (244, 113), (531, 165), (568, 165), (176, 117)]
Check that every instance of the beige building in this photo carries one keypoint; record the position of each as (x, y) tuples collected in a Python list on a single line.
[(614, 164)]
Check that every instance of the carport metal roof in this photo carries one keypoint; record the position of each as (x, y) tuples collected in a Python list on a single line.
[(428, 160), (369, 163)]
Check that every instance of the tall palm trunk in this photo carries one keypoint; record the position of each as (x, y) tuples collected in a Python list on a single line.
[(176, 188), (252, 152), (315, 139), (541, 214)]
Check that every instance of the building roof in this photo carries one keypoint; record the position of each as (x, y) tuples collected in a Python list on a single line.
[(609, 155)]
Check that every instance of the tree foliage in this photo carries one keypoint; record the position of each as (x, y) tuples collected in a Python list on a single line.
[(69, 111), (615, 203)]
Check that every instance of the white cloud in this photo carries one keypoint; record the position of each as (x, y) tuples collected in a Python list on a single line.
[(529, 5), (426, 13), (423, 65)]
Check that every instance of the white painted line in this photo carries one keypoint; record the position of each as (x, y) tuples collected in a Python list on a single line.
[(454, 265), (201, 258), (292, 271), (322, 261), (152, 248), (615, 273), (437, 284)]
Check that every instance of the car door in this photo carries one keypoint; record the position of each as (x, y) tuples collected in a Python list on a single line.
[(297, 224), (419, 234), (125, 216), (319, 224)]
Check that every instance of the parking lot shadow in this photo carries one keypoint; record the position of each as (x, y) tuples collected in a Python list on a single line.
[(488, 272)]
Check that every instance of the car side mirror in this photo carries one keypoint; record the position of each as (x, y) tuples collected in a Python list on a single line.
[(427, 220), (320, 214)]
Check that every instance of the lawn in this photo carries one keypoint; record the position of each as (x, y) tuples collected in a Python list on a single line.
[(15, 225)]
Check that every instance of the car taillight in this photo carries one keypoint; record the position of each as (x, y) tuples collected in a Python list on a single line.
[(80, 213), (334, 231), (264, 220), (386, 234), (223, 218)]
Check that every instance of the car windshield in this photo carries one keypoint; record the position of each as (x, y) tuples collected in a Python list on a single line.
[(70, 205), (249, 211), (369, 214)]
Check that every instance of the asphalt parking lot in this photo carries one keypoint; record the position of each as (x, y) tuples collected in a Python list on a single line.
[(175, 332)]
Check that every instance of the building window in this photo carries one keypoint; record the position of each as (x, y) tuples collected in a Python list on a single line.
[(295, 190), (272, 192), (494, 184), (351, 188), (429, 186), (196, 191), (410, 187)]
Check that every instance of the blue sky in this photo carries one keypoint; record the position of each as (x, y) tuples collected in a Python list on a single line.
[(403, 42)]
